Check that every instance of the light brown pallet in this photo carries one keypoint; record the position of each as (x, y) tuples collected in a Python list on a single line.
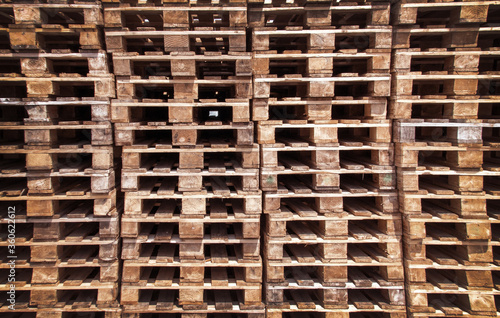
[(50, 109), (158, 205), (352, 84), (102, 86), (52, 64), (233, 39), (176, 15), (454, 12), (327, 201), (182, 135), (167, 159), (235, 110), (190, 249), (30, 37), (325, 132), (192, 298), (47, 13), (341, 299), (319, 108), (315, 14), (442, 106), (320, 40), (98, 204), (440, 36)]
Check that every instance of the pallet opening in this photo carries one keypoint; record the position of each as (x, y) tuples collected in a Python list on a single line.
[(143, 45), (209, 44), (285, 43), (12, 113), (214, 20), (155, 91), (65, 42), (147, 69), (14, 89), (70, 66), (223, 69), (62, 16), (10, 66), (136, 21), (352, 41)]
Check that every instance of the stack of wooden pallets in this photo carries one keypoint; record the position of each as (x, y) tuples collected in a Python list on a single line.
[(264, 151), (332, 230), (57, 161), (192, 205), (445, 91)]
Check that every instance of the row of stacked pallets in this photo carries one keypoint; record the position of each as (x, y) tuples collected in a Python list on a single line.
[(190, 167), (259, 158), (60, 220), (332, 236), (445, 68)]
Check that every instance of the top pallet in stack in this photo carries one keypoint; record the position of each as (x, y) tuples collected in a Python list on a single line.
[(445, 75), (58, 173), (190, 167), (321, 83)]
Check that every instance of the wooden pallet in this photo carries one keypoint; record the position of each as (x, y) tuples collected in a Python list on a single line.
[(446, 181), (190, 249), (319, 108), (52, 64), (443, 83), (188, 88), (326, 133), (320, 40), (286, 226), (409, 12), (464, 205), (335, 250), (58, 108), (59, 203), (136, 297), (236, 110), (298, 154), (246, 228), (58, 13), (159, 133), (190, 181), (295, 63), (201, 156), (81, 158), (327, 202), (176, 15), (320, 312), (445, 131), (329, 180), (434, 155), (442, 106), (66, 134), (334, 298), (442, 36), (177, 40), (159, 205), (67, 84), (210, 312), (76, 306), (182, 64), (48, 230), (344, 84), (47, 38), (450, 302), (49, 252), (216, 272), (317, 14)]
